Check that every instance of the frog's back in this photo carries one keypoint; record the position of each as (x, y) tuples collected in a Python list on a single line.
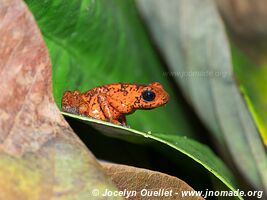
[(124, 88)]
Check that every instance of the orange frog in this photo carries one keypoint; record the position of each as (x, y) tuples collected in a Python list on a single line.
[(112, 102)]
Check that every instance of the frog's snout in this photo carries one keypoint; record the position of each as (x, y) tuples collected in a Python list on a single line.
[(166, 98)]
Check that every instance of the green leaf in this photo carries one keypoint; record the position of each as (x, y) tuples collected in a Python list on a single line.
[(192, 39), (253, 78), (93, 43), (195, 150)]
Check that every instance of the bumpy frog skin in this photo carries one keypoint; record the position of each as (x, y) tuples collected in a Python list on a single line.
[(112, 102)]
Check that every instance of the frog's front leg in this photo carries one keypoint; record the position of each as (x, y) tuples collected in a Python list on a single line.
[(123, 121), (110, 113)]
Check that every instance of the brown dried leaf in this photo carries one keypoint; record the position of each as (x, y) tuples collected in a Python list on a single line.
[(141, 180), (40, 156), (246, 18)]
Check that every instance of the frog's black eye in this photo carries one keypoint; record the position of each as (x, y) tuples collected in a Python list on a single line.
[(148, 95)]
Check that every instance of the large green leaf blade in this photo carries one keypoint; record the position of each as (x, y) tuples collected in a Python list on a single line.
[(92, 43)]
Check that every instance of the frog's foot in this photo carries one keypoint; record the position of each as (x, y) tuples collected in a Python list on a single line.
[(123, 121)]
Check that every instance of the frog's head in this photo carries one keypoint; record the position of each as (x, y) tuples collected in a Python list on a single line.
[(151, 96)]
